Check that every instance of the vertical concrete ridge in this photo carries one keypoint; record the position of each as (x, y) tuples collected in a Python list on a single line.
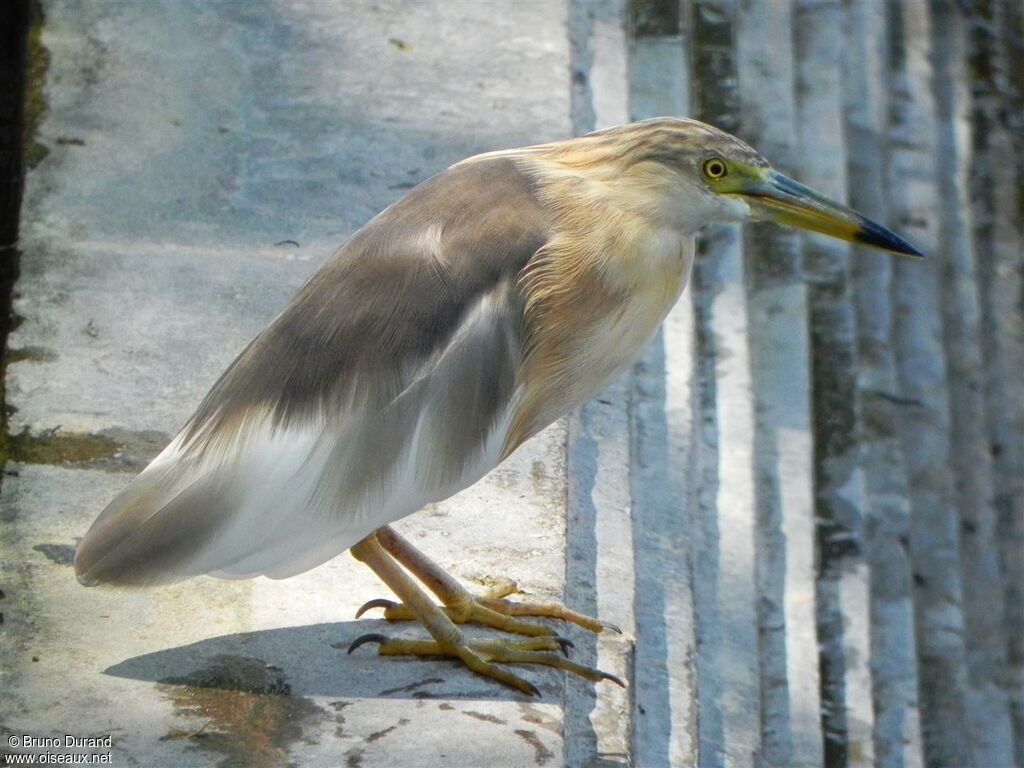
[(662, 473), (724, 545), (600, 567), (725, 566), (843, 587), (995, 190), (925, 422), (1007, 390), (970, 456), (599, 579), (893, 653), (781, 379)]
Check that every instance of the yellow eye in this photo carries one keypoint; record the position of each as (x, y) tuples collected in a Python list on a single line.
[(715, 168)]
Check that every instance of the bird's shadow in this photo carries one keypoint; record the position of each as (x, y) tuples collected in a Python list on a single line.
[(312, 661)]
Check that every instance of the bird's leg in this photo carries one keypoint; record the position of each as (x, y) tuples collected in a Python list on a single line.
[(461, 606), (448, 640)]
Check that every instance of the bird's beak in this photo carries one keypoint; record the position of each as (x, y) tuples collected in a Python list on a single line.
[(780, 199)]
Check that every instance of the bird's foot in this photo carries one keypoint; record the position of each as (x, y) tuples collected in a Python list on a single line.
[(483, 656), (492, 610), (385, 552)]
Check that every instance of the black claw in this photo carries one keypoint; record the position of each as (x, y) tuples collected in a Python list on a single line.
[(534, 690), (613, 679), (380, 602), (565, 644), (613, 627), (372, 637)]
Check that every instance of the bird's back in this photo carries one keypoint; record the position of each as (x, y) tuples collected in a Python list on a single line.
[(385, 383)]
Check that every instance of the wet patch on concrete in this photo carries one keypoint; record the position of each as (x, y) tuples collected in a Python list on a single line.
[(110, 450), (339, 717), (541, 754), (542, 480), (61, 554), (378, 735), (235, 673), (484, 716), (411, 686), (536, 716), (354, 757), (249, 717)]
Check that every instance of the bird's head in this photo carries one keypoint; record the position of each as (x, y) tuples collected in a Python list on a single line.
[(693, 174)]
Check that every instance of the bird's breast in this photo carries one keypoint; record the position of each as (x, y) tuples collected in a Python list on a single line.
[(612, 340), (586, 331)]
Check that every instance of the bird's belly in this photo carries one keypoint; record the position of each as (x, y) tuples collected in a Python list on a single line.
[(612, 348)]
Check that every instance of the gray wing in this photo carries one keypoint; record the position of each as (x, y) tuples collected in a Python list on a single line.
[(380, 387)]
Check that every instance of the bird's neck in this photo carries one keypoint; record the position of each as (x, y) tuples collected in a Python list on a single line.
[(594, 295), (616, 227)]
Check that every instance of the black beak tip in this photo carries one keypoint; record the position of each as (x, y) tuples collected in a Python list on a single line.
[(878, 236)]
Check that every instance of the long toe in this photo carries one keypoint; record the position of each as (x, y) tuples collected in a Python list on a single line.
[(476, 611), (548, 610), (484, 656), (512, 655), (492, 610)]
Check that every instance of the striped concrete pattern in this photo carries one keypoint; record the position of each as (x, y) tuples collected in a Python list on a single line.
[(854, 527)]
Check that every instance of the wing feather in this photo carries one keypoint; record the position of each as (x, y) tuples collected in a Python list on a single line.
[(386, 383)]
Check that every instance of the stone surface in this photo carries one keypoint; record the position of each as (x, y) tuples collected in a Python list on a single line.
[(770, 505)]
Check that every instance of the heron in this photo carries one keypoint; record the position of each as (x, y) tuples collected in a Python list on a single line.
[(488, 302)]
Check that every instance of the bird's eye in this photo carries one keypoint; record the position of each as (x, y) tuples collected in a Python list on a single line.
[(715, 168)]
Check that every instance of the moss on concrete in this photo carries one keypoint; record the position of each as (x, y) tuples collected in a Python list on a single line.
[(59, 448), (37, 64), (30, 354)]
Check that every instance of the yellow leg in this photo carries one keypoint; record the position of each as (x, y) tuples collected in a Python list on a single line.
[(463, 607), (449, 640)]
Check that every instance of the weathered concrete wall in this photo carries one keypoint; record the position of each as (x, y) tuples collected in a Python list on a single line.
[(804, 506)]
